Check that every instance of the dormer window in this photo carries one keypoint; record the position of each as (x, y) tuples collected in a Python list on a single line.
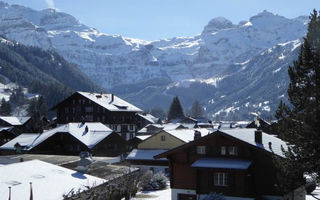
[(233, 150), (223, 150), (201, 149)]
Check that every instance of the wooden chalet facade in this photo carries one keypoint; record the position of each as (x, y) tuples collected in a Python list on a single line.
[(143, 156), (108, 109), (235, 164)]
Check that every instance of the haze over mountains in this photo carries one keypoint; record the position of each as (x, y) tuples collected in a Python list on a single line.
[(232, 69)]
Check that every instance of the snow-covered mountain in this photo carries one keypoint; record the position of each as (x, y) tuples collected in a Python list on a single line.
[(150, 72)]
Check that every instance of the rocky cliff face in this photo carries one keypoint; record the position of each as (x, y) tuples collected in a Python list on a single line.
[(131, 67)]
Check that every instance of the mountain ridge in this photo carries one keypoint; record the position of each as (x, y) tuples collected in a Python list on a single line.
[(118, 63)]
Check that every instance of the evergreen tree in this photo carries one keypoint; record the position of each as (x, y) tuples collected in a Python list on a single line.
[(196, 110), (37, 110), (5, 108), (17, 96), (299, 123), (175, 110)]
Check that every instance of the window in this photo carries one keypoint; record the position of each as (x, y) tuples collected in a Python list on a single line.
[(89, 109), (201, 149), (221, 179), (119, 128), (163, 138), (131, 127), (223, 150), (66, 109), (233, 151)]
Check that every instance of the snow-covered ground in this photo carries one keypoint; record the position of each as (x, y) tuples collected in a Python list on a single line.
[(315, 195), (154, 195), (49, 182)]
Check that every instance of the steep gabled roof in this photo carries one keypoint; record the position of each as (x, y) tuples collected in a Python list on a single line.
[(150, 118), (246, 135), (23, 139), (187, 135), (15, 121), (184, 135), (96, 133), (106, 101)]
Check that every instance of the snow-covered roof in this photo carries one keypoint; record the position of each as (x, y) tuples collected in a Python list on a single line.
[(143, 137), (187, 135), (168, 126), (15, 121), (24, 139), (145, 154), (105, 100), (5, 128), (96, 132), (49, 182), (248, 135), (222, 163), (150, 118)]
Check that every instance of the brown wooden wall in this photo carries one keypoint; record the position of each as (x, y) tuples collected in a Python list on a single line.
[(258, 179), (74, 110)]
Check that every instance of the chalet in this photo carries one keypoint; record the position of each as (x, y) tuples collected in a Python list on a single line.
[(17, 124), (13, 121), (162, 141), (145, 119), (70, 139), (234, 162), (108, 109), (261, 124)]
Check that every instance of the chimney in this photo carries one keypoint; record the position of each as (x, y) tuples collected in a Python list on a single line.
[(258, 136), (86, 129), (270, 146), (84, 162), (112, 97), (197, 135)]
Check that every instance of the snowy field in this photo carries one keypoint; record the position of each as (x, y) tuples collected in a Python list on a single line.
[(154, 195)]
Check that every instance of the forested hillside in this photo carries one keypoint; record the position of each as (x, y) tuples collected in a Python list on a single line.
[(42, 72)]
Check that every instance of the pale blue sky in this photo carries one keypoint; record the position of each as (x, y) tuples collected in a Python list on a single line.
[(155, 19)]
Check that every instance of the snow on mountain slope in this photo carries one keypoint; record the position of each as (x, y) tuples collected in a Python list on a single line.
[(111, 60), (6, 89), (131, 67)]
